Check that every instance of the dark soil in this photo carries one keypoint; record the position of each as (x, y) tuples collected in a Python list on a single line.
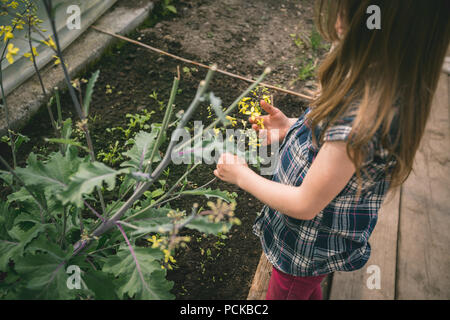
[(241, 36)]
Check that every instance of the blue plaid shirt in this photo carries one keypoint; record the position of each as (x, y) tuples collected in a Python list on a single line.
[(337, 238)]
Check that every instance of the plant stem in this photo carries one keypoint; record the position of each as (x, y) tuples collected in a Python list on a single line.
[(58, 106), (5, 106), (5, 103), (82, 116), (165, 121), (63, 236), (38, 73), (174, 186), (162, 165)]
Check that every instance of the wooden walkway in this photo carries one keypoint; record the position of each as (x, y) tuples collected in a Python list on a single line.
[(410, 243)]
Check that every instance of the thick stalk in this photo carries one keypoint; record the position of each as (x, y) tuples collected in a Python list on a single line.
[(162, 165), (165, 121), (44, 91), (168, 193), (82, 116), (33, 59), (5, 106)]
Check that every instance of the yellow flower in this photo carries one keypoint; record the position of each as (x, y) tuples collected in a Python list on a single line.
[(155, 242), (267, 99), (168, 259), (50, 43), (242, 106), (232, 120), (13, 4), (11, 52), (30, 56), (260, 123), (7, 31), (57, 60)]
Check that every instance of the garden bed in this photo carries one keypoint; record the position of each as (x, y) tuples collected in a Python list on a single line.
[(241, 37)]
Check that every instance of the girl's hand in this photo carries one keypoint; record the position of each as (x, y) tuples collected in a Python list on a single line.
[(275, 125), (230, 168)]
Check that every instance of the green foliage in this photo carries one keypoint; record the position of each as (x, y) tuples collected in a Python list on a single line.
[(53, 212), (141, 151), (57, 216), (143, 279), (88, 176), (17, 140), (316, 40), (168, 7), (306, 71), (89, 91)]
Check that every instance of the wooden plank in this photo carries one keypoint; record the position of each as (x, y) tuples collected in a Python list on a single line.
[(423, 259), (383, 241), (260, 280)]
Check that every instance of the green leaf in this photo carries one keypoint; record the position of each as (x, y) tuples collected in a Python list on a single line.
[(89, 91), (100, 284), (210, 193), (141, 151), (20, 139), (158, 192), (68, 142), (6, 176), (45, 277), (152, 220), (14, 248), (204, 225), (53, 175), (66, 132), (148, 284), (7, 217), (39, 174), (171, 9), (88, 176), (42, 245)]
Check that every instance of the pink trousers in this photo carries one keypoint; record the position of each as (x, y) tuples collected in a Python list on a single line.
[(283, 286)]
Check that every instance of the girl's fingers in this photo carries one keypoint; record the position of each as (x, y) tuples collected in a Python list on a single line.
[(271, 110)]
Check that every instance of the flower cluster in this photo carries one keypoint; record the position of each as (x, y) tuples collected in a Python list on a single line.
[(250, 105), (221, 210), (167, 245), (26, 17)]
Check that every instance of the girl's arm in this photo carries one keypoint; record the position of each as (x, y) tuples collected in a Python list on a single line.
[(329, 173)]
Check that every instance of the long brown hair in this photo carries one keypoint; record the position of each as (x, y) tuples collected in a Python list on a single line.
[(397, 65)]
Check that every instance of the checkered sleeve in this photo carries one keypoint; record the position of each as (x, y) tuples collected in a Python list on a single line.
[(340, 130)]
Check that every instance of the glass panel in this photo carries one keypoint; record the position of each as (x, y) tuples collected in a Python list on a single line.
[(22, 68)]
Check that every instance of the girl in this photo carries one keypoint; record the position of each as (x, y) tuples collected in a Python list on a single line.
[(357, 140)]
